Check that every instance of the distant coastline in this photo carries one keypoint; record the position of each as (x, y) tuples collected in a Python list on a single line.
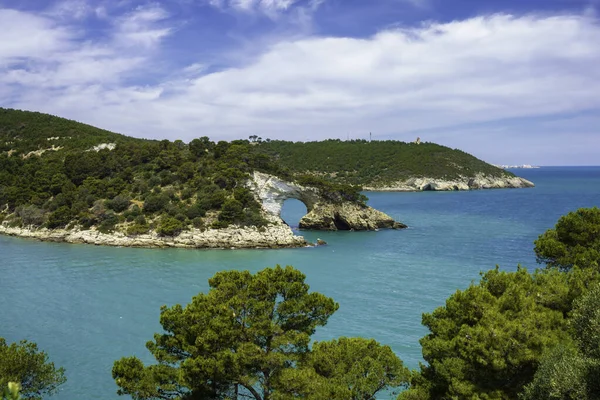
[(523, 166), (480, 181)]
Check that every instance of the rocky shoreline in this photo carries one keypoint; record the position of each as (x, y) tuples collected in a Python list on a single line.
[(269, 190), (269, 237), (480, 181)]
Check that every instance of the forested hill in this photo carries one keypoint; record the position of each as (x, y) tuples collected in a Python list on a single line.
[(378, 162), (25, 131), (58, 173)]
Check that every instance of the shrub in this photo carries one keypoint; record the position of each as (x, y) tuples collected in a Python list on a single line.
[(59, 218), (232, 210), (195, 211), (198, 223), (169, 226), (155, 203), (137, 229), (109, 220), (119, 203), (31, 215)]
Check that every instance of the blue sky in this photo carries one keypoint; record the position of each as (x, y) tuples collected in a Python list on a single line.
[(509, 81)]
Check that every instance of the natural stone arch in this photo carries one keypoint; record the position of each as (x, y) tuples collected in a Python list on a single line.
[(273, 192), (322, 214)]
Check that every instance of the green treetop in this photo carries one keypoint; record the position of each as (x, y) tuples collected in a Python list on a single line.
[(249, 337), (22, 364), (575, 240)]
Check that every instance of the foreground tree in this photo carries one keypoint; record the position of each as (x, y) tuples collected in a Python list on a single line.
[(488, 340), (237, 340), (345, 369), (570, 371), (23, 364), (493, 339), (575, 240)]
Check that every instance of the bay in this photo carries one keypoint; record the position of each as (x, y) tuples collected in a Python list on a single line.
[(88, 306)]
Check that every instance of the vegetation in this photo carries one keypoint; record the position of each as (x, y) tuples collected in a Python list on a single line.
[(570, 370), (11, 391), (249, 336), (376, 163), (518, 333), (574, 241), (26, 369), (57, 173)]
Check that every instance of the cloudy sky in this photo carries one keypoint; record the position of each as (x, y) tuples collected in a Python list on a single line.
[(509, 81)]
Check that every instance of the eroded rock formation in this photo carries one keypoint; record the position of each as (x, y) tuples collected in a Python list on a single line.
[(322, 215)]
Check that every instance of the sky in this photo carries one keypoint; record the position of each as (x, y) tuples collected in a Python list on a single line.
[(509, 81)]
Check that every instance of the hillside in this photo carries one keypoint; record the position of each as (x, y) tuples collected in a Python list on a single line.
[(378, 163), (57, 173)]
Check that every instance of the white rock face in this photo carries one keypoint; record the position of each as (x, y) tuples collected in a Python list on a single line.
[(272, 192), (273, 236), (102, 146), (480, 181)]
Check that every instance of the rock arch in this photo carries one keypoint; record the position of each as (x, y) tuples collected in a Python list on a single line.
[(273, 192)]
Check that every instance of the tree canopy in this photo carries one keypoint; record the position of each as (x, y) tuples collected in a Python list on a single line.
[(22, 363), (249, 337), (345, 369), (376, 163), (575, 240), (520, 333), (570, 371)]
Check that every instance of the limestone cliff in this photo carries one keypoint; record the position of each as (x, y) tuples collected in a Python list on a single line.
[(480, 181), (347, 216), (272, 192), (272, 236)]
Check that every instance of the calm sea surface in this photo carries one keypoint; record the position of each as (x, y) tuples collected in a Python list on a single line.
[(88, 306)]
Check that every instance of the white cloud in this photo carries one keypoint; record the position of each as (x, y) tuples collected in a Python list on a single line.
[(142, 26), (270, 8), (398, 82), (70, 9), (37, 53), (24, 36)]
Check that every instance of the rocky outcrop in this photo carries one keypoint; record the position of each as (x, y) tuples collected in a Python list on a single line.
[(480, 181), (272, 236), (272, 192), (347, 216)]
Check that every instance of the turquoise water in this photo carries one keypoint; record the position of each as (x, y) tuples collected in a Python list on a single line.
[(88, 306)]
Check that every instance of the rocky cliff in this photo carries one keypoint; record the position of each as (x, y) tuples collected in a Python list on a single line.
[(347, 216), (272, 192), (480, 181)]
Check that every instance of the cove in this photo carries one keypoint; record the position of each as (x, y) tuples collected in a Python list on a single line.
[(89, 305)]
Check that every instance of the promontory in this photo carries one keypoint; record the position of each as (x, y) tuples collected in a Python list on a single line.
[(61, 180)]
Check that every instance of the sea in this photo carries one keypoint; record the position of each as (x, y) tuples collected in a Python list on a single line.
[(87, 306)]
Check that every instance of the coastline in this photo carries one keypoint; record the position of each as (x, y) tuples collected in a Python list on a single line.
[(272, 237), (461, 184)]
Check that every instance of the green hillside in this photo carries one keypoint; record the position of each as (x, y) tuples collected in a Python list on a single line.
[(25, 131), (51, 175), (379, 162)]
